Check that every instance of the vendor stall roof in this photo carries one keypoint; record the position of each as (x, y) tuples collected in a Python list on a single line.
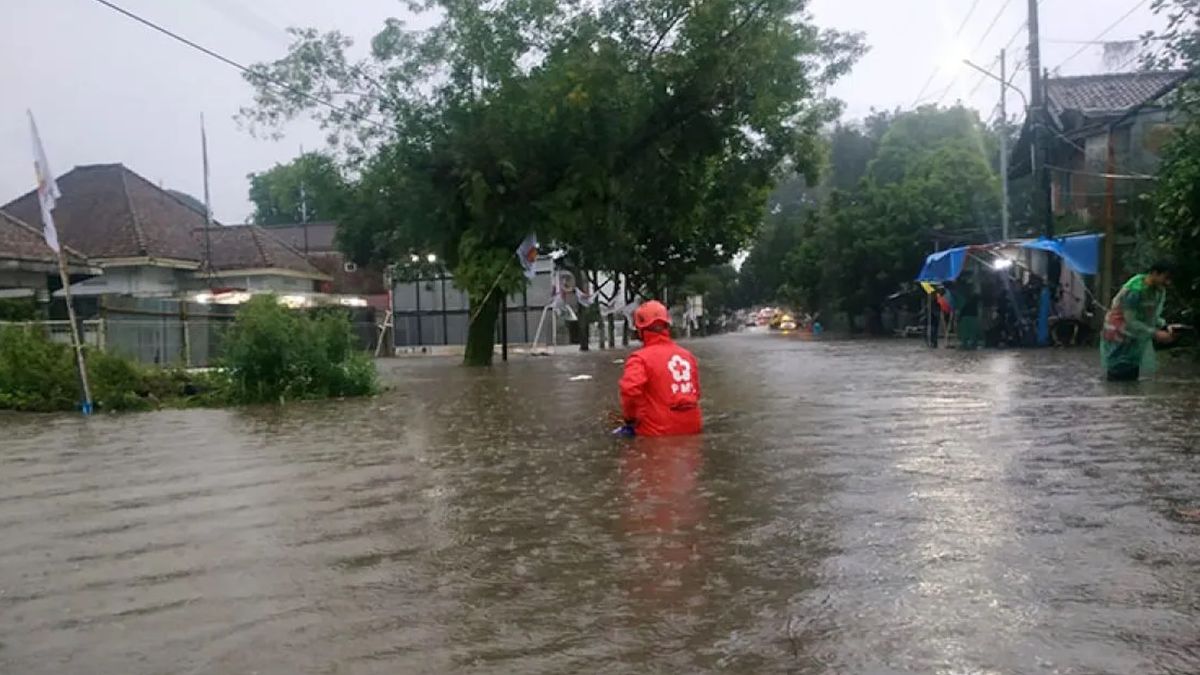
[(1080, 252)]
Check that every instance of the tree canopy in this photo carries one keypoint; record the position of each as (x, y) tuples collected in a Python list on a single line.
[(904, 182), (309, 188), (1176, 228), (642, 136)]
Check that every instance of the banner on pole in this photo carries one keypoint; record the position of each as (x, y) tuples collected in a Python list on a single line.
[(527, 254), (47, 188)]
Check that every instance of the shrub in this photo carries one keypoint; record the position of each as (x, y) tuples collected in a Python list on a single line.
[(35, 373), (271, 354), (275, 354), (18, 309), (38, 375)]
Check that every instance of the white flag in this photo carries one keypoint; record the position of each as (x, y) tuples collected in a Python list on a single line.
[(527, 253), (47, 188)]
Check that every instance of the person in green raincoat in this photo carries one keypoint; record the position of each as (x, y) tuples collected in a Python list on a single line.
[(1134, 323), (966, 307)]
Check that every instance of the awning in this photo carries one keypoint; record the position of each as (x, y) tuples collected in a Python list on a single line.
[(944, 265), (1081, 253)]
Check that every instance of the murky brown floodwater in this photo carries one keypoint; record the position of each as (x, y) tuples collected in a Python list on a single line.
[(855, 508)]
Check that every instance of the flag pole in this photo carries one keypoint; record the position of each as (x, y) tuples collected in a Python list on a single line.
[(48, 194), (208, 219), (76, 338)]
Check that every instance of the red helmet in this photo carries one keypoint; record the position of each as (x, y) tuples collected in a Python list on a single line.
[(650, 313)]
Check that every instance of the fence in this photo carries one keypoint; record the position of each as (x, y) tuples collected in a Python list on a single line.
[(434, 312), (60, 331), (168, 332)]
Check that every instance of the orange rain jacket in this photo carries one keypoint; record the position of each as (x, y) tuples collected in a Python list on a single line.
[(660, 390)]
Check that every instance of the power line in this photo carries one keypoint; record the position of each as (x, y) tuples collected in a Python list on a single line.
[(1016, 34), (1104, 32), (937, 68), (1087, 42), (995, 21), (1008, 45), (230, 62)]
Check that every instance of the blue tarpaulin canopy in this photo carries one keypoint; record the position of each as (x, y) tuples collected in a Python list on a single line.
[(944, 265), (1080, 252)]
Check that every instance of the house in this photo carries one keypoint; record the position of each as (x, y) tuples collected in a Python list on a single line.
[(318, 241), (137, 233), (150, 242), (28, 267), (1107, 134), (1081, 111), (250, 258)]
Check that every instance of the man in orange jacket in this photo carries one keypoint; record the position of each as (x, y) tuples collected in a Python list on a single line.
[(660, 390)]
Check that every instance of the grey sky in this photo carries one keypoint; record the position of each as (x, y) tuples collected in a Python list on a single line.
[(105, 89)]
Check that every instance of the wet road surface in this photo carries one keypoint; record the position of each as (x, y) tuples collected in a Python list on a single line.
[(856, 507)]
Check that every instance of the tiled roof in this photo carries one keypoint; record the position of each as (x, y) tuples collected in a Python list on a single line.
[(238, 247), (310, 237), (107, 211), (20, 241), (357, 280), (1102, 95)]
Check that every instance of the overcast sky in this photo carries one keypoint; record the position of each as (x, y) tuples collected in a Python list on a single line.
[(105, 89)]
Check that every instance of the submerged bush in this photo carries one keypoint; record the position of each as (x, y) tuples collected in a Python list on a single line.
[(39, 375), (272, 353), (35, 373)]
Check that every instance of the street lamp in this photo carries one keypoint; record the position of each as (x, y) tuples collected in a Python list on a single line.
[(431, 258), (1005, 85)]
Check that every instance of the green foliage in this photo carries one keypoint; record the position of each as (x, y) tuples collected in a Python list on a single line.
[(276, 193), (643, 136), (718, 286), (1175, 232), (274, 354), (18, 309), (38, 375), (35, 374), (929, 179)]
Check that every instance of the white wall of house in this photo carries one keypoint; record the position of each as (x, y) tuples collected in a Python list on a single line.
[(143, 281), (271, 282)]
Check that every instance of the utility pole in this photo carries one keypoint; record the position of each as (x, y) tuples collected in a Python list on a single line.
[(1043, 218), (1043, 214), (1003, 146), (303, 201)]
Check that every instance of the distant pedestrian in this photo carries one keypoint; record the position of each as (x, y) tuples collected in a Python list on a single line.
[(1134, 323), (966, 302), (660, 390)]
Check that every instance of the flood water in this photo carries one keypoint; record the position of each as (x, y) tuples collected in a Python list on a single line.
[(855, 507)]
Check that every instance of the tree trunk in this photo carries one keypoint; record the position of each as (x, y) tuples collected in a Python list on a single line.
[(595, 281), (481, 333)]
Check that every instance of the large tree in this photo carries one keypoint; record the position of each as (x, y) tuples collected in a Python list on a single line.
[(929, 179), (1176, 228), (309, 188), (642, 136)]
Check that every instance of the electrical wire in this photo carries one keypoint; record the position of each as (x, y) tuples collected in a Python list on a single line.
[(244, 69), (937, 68), (995, 21), (983, 78), (1104, 32)]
